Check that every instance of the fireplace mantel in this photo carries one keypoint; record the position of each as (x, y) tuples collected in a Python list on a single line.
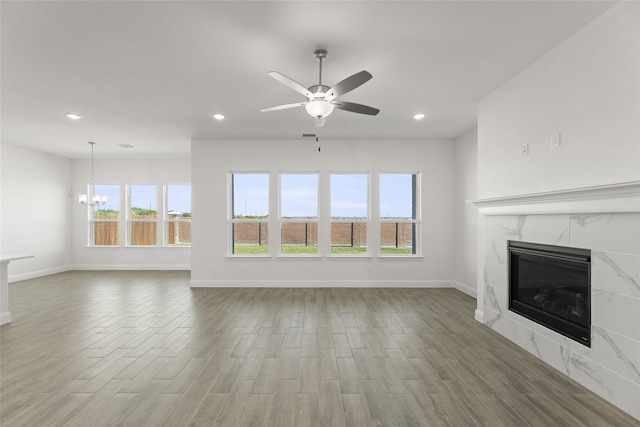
[(603, 219), (614, 198)]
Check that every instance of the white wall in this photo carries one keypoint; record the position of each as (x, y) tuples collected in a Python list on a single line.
[(588, 89), (466, 214), (35, 205), (40, 214), (122, 172), (212, 160)]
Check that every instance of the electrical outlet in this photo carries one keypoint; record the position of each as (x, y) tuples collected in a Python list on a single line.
[(525, 149), (555, 140)]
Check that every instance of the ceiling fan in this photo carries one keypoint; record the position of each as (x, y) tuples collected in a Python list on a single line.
[(321, 99)]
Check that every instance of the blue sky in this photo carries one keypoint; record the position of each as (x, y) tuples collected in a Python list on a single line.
[(349, 194), (179, 197), (300, 195), (396, 195), (145, 196), (250, 194), (112, 192)]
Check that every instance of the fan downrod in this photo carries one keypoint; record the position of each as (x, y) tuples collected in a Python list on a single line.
[(320, 56)]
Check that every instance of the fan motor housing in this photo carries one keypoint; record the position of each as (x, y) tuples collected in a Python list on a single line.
[(320, 54), (316, 89)]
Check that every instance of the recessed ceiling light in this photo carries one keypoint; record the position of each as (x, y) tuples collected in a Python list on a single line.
[(218, 116), (418, 116), (74, 116)]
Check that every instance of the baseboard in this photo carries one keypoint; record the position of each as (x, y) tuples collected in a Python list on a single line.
[(141, 267), (469, 290), (479, 316), (5, 317), (321, 284), (39, 273), (48, 271)]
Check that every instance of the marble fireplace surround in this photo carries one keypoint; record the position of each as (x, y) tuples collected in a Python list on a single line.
[(605, 219)]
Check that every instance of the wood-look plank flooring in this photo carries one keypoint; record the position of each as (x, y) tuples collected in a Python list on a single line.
[(143, 349)]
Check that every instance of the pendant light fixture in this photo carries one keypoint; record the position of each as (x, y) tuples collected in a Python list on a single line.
[(91, 199)]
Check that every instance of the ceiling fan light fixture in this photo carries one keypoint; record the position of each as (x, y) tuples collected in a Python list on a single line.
[(319, 108), (321, 99)]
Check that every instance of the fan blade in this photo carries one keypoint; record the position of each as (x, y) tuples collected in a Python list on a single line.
[(291, 83), (356, 108), (283, 107), (347, 85)]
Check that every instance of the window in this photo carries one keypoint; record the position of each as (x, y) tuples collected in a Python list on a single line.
[(299, 213), (178, 215), (334, 208), (143, 215), (349, 213), (399, 214), (105, 218), (249, 213)]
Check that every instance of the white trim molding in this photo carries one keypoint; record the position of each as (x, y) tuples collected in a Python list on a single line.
[(5, 317), (38, 273), (463, 287), (159, 267), (322, 284), (614, 198)]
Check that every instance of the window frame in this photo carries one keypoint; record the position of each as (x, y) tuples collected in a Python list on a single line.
[(294, 220), (129, 220), (92, 221), (366, 221), (417, 213), (231, 221), (165, 212)]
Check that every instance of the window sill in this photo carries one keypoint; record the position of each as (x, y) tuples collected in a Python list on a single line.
[(248, 256), (295, 256), (365, 256), (400, 257), (139, 246)]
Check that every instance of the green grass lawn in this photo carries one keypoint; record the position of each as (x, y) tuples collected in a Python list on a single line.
[(395, 251), (300, 250), (313, 250), (251, 250)]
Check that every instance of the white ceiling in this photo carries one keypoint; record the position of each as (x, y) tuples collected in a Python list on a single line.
[(151, 74)]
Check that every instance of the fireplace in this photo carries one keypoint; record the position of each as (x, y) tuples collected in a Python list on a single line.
[(551, 285)]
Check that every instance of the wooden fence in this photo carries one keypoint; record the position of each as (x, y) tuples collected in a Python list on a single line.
[(143, 232), (350, 234)]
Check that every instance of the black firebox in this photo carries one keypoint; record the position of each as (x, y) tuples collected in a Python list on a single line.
[(551, 285)]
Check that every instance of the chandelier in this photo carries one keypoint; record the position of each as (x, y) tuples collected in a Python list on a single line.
[(92, 199)]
